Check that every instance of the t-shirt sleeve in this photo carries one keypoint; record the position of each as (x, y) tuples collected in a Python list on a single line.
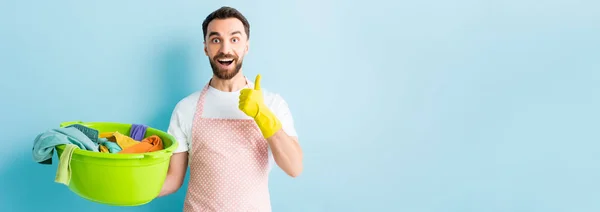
[(177, 130), (283, 113)]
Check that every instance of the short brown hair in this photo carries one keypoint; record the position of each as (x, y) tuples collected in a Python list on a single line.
[(224, 13)]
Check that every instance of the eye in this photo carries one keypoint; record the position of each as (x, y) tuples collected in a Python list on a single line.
[(235, 40), (216, 40)]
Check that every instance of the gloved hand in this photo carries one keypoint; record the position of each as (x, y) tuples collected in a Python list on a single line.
[(252, 103)]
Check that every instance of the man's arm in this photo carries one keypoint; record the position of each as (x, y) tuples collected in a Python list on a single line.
[(176, 173), (286, 152), (179, 160)]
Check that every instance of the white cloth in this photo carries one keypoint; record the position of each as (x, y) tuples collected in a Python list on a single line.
[(224, 105)]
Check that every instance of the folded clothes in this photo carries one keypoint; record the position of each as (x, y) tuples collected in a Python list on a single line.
[(149, 144), (44, 143), (138, 131)]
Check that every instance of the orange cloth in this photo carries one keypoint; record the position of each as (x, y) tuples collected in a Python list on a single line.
[(149, 144)]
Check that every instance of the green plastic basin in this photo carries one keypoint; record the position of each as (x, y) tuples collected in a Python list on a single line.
[(119, 179)]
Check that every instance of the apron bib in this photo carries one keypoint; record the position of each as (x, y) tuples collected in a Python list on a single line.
[(228, 165)]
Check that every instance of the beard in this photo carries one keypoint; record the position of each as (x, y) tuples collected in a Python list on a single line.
[(232, 69)]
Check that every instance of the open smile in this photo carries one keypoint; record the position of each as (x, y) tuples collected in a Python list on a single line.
[(225, 62)]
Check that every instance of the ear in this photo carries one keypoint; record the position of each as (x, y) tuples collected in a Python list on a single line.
[(247, 47), (205, 48)]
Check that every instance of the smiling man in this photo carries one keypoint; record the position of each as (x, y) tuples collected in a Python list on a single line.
[(232, 132)]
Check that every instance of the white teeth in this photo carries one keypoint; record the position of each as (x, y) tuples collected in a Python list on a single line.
[(226, 60)]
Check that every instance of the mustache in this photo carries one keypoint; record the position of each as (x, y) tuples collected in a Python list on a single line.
[(225, 56)]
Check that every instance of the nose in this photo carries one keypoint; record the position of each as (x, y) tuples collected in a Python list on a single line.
[(225, 48)]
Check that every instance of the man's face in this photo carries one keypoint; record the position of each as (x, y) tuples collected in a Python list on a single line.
[(226, 45)]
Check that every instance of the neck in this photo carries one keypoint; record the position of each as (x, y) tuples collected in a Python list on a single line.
[(234, 84)]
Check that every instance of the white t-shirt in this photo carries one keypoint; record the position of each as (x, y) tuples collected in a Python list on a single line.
[(221, 104)]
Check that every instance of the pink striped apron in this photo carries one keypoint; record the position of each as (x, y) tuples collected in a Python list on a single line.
[(228, 165)]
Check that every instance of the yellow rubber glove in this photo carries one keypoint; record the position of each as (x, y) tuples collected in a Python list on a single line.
[(252, 103)]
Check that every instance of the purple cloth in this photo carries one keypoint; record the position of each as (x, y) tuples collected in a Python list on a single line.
[(138, 131)]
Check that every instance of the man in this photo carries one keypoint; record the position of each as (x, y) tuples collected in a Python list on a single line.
[(232, 131)]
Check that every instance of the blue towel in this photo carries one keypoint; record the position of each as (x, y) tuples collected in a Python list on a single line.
[(43, 146), (92, 134), (138, 131), (112, 147)]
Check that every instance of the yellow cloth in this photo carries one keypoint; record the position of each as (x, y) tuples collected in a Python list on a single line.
[(63, 172), (103, 148), (252, 104), (122, 140), (106, 134)]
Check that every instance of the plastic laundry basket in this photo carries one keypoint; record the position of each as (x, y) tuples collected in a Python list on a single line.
[(119, 179)]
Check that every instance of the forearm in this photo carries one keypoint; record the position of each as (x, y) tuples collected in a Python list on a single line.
[(170, 186), (175, 174), (286, 152)]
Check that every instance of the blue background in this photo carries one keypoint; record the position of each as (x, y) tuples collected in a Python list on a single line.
[(407, 106)]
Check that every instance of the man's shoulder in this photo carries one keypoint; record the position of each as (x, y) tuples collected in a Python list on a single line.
[(188, 101), (271, 96), (268, 94), (274, 100)]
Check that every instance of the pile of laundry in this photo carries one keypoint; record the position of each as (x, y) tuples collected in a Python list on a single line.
[(90, 139)]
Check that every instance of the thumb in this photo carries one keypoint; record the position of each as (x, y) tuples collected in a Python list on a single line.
[(257, 82)]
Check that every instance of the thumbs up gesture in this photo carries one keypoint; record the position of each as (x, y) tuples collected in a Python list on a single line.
[(252, 104), (251, 99)]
